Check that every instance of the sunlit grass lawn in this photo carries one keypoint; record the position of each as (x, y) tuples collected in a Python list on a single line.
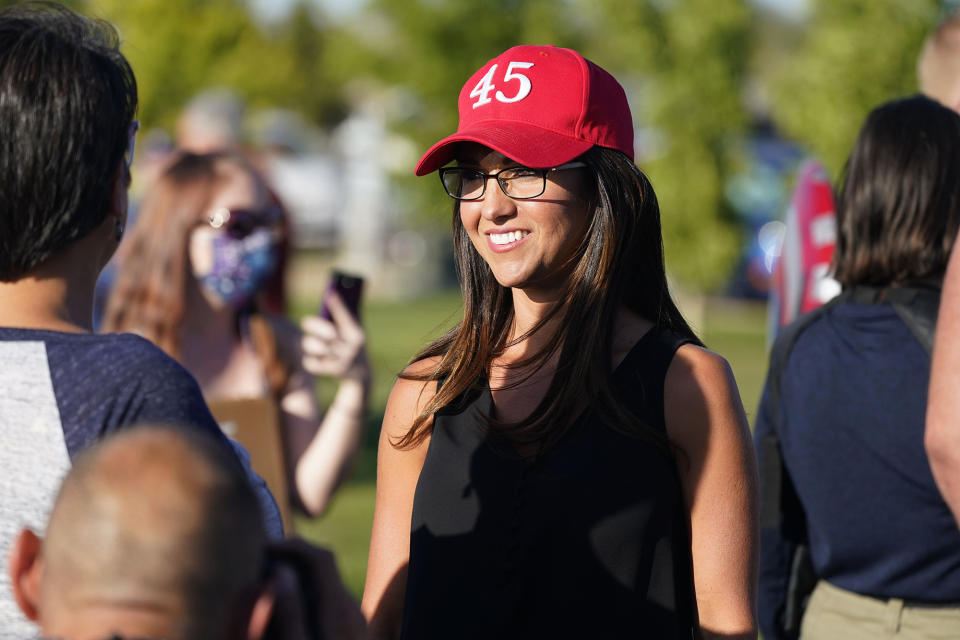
[(397, 330)]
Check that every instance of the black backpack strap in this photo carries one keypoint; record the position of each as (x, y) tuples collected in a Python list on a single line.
[(776, 489), (918, 308)]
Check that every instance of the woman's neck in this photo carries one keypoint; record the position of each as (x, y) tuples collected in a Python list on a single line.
[(206, 321), (209, 344), (529, 311)]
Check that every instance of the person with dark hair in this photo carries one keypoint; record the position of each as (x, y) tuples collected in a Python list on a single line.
[(156, 533), (568, 461), (845, 399), (68, 99), (203, 294)]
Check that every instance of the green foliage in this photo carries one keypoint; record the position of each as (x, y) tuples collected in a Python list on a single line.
[(851, 56), (685, 63), (180, 47)]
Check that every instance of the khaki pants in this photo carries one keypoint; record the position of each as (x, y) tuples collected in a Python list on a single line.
[(844, 615)]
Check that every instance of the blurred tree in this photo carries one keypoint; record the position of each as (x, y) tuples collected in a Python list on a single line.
[(685, 64), (848, 57), (179, 47)]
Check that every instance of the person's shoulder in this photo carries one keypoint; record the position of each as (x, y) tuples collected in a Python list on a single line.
[(701, 399), (135, 356), (697, 381), (418, 379), (414, 389), (694, 367)]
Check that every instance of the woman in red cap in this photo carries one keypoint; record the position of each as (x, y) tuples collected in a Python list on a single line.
[(567, 461)]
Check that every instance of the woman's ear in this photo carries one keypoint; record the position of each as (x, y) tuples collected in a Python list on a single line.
[(26, 573)]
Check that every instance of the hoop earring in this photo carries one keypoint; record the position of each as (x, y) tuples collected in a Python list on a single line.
[(119, 231)]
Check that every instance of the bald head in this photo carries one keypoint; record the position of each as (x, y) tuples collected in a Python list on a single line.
[(153, 523), (939, 66)]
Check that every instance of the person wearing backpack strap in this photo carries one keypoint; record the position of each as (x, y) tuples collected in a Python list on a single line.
[(846, 487)]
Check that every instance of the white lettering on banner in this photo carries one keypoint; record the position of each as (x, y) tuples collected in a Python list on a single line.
[(823, 230), (483, 88)]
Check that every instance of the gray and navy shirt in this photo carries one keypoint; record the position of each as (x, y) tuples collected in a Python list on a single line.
[(60, 392)]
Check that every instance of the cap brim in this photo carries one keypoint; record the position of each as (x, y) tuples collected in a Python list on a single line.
[(520, 141)]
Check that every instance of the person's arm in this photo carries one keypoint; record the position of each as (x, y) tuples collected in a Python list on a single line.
[(320, 452), (397, 473), (942, 437), (706, 422), (776, 549)]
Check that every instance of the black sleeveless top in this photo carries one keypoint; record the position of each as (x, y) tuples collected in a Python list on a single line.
[(588, 540)]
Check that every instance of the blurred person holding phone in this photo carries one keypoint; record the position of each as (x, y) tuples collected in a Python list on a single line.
[(568, 460), (202, 277)]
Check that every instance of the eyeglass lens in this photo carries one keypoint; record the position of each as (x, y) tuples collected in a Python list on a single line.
[(469, 184)]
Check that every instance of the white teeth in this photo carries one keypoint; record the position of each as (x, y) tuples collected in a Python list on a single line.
[(507, 238)]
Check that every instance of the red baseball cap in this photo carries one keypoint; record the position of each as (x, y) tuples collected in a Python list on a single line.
[(541, 106)]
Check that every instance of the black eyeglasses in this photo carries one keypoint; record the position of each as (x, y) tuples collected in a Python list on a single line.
[(519, 183)]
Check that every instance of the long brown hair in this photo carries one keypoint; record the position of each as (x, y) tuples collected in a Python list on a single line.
[(153, 269), (619, 264)]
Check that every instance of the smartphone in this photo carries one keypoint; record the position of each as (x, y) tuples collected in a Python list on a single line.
[(348, 287)]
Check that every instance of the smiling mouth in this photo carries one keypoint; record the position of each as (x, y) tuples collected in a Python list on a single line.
[(508, 237)]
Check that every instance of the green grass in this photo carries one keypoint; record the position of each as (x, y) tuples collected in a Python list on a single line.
[(397, 330)]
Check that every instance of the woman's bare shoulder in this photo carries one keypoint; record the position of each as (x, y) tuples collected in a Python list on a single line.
[(411, 393), (700, 396)]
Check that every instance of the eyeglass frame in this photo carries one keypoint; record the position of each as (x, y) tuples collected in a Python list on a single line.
[(131, 143), (486, 177)]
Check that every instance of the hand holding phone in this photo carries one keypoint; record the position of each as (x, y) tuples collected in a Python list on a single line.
[(349, 288), (333, 344)]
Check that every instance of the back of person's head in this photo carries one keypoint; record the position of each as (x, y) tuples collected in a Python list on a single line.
[(938, 68), (155, 533), (898, 207), (67, 101)]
